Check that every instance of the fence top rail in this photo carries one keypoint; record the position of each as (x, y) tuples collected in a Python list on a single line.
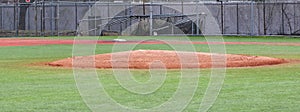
[(157, 3)]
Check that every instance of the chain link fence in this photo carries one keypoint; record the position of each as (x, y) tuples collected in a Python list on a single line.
[(46, 18)]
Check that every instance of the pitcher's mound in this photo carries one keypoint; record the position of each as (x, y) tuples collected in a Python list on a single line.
[(145, 59)]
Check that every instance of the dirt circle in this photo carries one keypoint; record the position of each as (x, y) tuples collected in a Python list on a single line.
[(145, 59)]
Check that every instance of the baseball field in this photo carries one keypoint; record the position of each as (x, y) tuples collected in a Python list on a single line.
[(29, 83)]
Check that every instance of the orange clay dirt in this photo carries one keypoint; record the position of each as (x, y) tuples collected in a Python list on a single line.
[(145, 59)]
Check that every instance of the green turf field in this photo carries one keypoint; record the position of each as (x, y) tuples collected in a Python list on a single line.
[(25, 86)]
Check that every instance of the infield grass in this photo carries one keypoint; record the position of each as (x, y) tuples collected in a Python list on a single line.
[(27, 85)]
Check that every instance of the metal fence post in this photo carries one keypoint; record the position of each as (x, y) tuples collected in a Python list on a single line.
[(51, 18), (264, 14), (197, 16), (282, 17), (151, 19), (14, 28), (222, 17), (28, 20), (252, 18), (130, 21), (1, 17), (43, 18), (57, 18), (35, 19), (237, 19), (76, 18), (17, 21)]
